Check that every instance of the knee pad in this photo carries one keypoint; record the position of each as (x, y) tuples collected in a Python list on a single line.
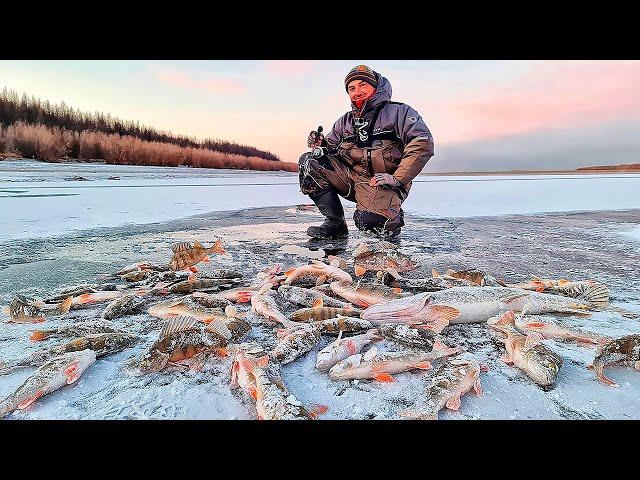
[(374, 222)]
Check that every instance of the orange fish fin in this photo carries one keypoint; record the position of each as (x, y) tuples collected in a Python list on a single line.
[(317, 303), (37, 335), (477, 387), (350, 345), (540, 289), (384, 377), (206, 259), (453, 403), (30, 400), (217, 248), (193, 269), (434, 273), (263, 361), (359, 270), (423, 365), (251, 390), (396, 290), (221, 352), (6, 310), (445, 312), (536, 324), (290, 272), (85, 298), (317, 410)]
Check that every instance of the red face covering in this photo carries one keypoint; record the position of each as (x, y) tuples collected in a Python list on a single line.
[(360, 102)]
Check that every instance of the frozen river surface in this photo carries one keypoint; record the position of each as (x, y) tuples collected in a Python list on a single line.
[(43, 199)]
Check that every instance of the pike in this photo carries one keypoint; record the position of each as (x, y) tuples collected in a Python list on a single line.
[(365, 295), (186, 254), (381, 256), (295, 341), (526, 352), (54, 374), (319, 271), (185, 340), (319, 312), (381, 365), (342, 348), (334, 326), (620, 351), (473, 305), (101, 343), (127, 304), (306, 297), (78, 329), (449, 382)]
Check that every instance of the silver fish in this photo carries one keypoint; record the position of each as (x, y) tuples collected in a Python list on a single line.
[(101, 343), (474, 305), (342, 348), (380, 365), (54, 374)]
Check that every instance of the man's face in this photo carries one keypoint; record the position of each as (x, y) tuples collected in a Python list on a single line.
[(359, 90)]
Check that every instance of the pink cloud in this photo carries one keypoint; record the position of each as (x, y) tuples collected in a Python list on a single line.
[(552, 95), (289, 68), (226, 86)]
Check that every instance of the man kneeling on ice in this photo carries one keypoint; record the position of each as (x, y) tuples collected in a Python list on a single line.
[(370, 157)]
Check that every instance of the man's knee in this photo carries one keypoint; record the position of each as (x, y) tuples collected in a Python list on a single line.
[(374, 222), (311, 181)]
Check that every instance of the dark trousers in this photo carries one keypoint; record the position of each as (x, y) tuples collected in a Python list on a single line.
[(377, 208)]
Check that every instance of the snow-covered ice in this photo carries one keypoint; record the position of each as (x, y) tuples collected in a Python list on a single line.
[(38, 199), (55, 252)]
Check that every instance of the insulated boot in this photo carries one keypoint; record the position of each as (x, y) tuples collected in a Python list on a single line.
[(334, 225)]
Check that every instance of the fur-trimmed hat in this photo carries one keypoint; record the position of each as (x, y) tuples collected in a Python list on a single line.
[(361, 72)]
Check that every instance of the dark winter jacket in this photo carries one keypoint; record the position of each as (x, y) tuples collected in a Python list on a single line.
[(400, 142)]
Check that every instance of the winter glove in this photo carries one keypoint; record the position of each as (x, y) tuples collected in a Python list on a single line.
[(385, 180), (316, 139)]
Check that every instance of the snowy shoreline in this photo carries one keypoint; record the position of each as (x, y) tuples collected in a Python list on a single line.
[(558, 245)]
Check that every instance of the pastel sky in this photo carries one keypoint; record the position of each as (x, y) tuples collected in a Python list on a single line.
[(484, 115)]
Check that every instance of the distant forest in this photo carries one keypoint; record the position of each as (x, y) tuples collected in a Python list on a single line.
[(27, 110)]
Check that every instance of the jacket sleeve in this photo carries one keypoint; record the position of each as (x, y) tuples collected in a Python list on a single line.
[(418, 144), (335, 135)]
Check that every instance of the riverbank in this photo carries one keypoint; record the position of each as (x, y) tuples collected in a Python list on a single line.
[(598, 245)]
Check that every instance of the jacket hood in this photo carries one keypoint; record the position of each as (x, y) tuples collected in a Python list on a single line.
[(383, 94)]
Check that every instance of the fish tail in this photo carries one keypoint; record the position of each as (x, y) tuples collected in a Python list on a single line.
[(596, 294), (599, 370), (217, 248), (39, 335)]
